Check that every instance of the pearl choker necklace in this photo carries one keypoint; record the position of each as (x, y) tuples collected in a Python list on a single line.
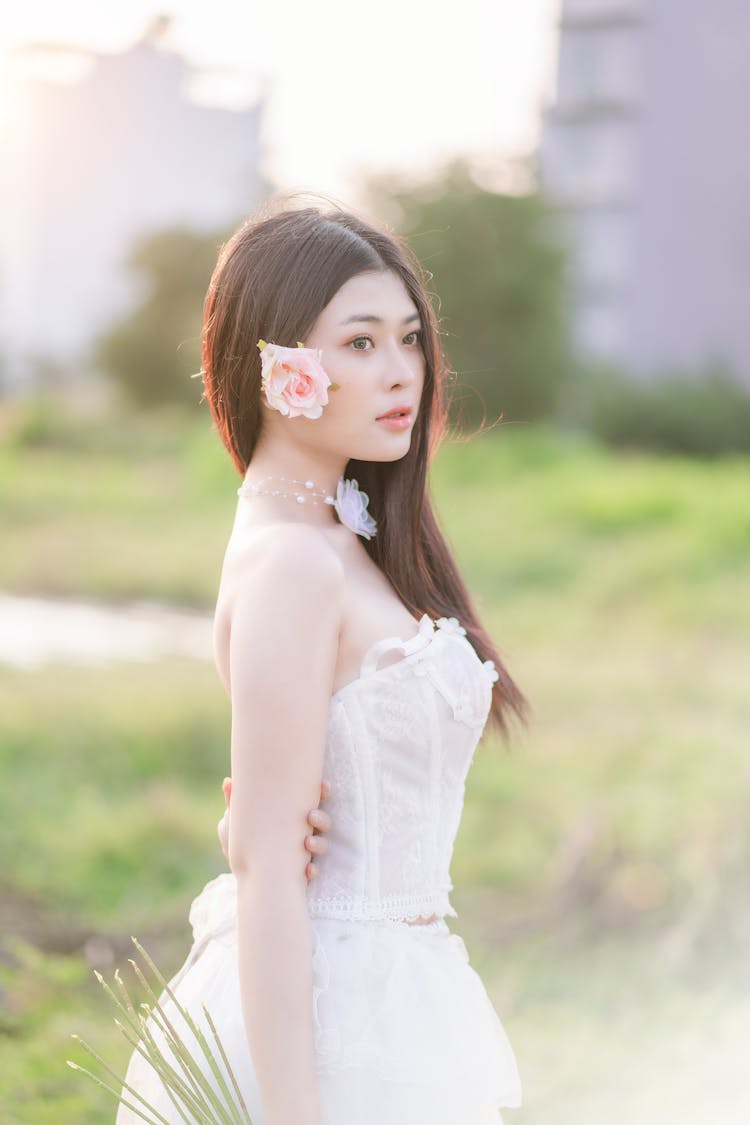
[(311, 493), (350, 502)]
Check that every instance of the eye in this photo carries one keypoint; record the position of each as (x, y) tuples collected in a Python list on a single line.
[(417, 334), (356, 339)]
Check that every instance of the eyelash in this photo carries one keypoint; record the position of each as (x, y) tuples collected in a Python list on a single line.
[(415, 332)]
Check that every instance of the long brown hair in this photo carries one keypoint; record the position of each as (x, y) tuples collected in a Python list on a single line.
[(272, 280)]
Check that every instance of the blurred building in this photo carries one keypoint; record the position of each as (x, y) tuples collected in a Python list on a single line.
[(91, 166), (645, 150)]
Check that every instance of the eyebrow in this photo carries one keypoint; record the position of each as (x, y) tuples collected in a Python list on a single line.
[(370, 318)]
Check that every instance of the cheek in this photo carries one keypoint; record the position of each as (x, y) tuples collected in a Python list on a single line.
[(364, 398), (352, 379), (338, 372)]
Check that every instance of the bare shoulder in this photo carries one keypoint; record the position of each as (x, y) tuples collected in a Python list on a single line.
[(282, 580), (272, 556)]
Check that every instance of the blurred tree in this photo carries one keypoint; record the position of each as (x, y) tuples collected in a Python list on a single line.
[(498, 266), (153, 351), (695, 414)]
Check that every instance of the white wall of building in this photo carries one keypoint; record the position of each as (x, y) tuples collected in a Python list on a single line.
[(644, 151), (97, 164)]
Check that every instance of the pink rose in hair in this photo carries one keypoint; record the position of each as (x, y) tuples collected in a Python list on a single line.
[(294, 380)]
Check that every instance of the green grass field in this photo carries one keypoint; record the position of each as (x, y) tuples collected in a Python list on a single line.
[(601, 865)]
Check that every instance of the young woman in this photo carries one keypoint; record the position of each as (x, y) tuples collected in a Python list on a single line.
[(351, 651)]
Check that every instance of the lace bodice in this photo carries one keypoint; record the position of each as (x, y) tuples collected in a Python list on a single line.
[(400, 743)]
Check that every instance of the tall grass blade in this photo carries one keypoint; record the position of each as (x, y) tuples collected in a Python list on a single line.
[(192, 1094)]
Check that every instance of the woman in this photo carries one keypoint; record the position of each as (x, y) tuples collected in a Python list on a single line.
[(350, 648)]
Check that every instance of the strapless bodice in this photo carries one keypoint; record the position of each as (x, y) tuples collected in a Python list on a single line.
[(400, 743)]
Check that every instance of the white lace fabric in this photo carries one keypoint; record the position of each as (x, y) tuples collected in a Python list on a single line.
[(400, 743)]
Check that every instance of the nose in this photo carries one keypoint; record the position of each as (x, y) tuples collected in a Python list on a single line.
[(403, 368)]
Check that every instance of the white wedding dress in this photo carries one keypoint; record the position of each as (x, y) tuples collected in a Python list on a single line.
[(405, 1031)]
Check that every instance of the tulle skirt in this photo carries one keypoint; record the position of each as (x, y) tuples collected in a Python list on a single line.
[(405, 1031)]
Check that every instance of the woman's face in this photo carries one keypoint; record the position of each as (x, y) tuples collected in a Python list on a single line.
[(370, 334)]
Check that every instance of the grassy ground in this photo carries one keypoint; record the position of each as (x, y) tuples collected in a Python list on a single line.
[(601, 865)]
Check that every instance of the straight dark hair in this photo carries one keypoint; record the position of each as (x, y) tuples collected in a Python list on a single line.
[(272, 280)]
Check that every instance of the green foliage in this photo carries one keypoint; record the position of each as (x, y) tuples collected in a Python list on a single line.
[(497, 265), (40, 420), (706, 415), (117, 768), (154, 350)]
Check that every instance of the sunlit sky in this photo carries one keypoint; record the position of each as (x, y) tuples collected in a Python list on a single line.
[(393, 85)]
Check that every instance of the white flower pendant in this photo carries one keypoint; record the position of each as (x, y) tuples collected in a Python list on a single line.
[(351, 507)]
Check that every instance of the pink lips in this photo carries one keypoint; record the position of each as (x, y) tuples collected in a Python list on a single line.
[(405, 410), (395, 421)]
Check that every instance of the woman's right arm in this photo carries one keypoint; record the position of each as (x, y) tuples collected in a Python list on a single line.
[(282, 652)]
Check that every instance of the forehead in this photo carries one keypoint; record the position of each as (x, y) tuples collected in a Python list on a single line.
[(378, 293)]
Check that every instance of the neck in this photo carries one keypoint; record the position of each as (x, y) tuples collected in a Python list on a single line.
[(300, 466)]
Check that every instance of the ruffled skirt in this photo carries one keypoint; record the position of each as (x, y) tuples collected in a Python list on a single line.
[(405, 1031)]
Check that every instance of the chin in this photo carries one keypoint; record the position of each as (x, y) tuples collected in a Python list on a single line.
[(381, 451), (391, 454)]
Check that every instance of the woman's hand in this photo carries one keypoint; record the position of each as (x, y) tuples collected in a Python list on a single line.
[(319, 820)]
